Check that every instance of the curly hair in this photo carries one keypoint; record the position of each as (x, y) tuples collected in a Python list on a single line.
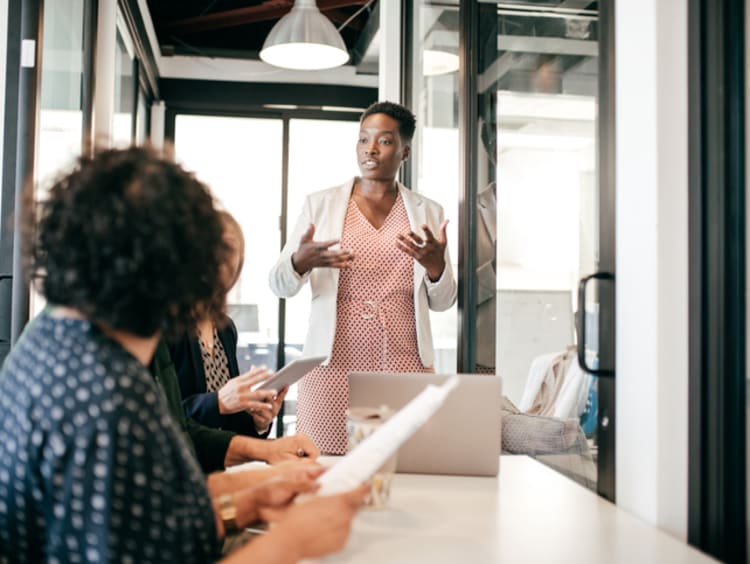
[(407, 122), (132, 241)]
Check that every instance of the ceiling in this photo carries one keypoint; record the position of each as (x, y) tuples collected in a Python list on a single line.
[(537, 41), (237, 28)]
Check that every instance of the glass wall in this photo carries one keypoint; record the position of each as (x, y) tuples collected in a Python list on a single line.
[(434, 162), (544, 81), (122, 122), (60, 134), (537, 208), (60, 116)]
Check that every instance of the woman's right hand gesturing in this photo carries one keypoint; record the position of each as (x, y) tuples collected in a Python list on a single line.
[(237, 394), (312, 254)]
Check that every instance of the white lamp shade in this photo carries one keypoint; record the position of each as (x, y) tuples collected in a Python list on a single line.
[(435, 62), (304, 39)]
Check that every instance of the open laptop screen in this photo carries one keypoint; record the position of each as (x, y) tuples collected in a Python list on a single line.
[(463, 437)]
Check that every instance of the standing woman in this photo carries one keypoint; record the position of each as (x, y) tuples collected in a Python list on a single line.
[(213, 392), (375, 254)]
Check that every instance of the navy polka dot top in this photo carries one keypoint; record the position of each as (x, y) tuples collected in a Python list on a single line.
[(92, 467)]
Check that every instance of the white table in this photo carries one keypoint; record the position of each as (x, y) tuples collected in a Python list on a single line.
[(530, 513)]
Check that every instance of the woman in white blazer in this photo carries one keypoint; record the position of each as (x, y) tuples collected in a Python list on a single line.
[(376, 257)]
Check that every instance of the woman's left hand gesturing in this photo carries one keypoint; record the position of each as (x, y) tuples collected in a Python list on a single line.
[(429, 251)]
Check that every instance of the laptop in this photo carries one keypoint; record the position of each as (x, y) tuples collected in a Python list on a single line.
[(462, 437)]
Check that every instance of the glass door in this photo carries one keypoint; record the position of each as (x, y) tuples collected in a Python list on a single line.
[(539, 99), (532, 116)]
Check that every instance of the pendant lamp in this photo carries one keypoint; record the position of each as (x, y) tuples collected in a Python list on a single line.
[(439, 61), (304, 39), (440, 54)]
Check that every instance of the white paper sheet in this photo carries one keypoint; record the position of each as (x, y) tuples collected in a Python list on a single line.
[(360, 464)]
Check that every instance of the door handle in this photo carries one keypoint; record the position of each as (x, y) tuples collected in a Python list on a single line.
[(581, 322)]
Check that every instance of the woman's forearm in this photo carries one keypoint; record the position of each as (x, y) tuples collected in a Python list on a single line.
[(245, 506), (222, 483)]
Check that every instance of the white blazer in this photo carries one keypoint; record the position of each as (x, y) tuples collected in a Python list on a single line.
[(327, 211)]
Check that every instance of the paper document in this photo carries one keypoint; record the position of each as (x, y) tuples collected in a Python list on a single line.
[(360, 464)]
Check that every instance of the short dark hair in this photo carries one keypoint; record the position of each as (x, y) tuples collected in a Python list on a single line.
[(407, 122), (132, 241)]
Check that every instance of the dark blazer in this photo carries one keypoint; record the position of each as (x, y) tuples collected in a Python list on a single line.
[(209, 445), (200, 405)]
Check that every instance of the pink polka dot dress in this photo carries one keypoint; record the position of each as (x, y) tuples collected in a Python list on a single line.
[(375, 327)]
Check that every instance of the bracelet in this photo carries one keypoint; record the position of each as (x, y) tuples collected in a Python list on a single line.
[(228, 514)]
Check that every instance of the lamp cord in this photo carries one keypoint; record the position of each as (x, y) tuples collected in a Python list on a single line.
[(354, 15), (207, 8)]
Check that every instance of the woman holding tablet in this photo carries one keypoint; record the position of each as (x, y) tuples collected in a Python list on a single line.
[(375, 254), (213, 392)]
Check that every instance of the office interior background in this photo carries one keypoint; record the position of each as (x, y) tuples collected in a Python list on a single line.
[(609, 136)]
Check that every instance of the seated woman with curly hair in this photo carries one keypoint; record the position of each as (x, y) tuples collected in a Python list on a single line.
[(92, 466)]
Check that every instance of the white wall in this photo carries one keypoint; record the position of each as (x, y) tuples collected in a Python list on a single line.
[(652, 267)]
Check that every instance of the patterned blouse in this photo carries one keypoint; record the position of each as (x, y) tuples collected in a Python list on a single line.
[(92, 466), (216, 365)]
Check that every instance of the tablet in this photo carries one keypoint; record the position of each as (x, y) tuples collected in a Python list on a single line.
[(290, 373)]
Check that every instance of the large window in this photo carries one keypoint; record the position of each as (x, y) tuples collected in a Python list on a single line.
[(240, 159)]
